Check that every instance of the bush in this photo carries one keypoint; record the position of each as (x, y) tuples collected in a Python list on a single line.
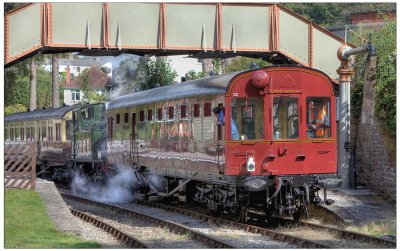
[(384, 40)]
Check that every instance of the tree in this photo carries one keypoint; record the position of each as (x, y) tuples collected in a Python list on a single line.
[(43, 88), (154, 73), (14, 108), (330, 14), (384, 40), (32, 96), (191, 75), (244, 63), (89, 95), (55, 83)]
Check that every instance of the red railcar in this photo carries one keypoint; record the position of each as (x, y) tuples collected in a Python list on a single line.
[(269, 146)]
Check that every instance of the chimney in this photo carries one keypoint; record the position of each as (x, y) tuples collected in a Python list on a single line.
[(67, 75)]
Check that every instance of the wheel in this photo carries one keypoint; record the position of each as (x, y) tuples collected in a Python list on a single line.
[(301, 213)]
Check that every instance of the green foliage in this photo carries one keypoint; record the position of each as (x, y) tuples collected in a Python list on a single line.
[(191, 75), (89, 95), (385, 100), (244, 63), (156, 72), (17, 82), (43, 88), (14, 109), (27, 225), (331, 14)]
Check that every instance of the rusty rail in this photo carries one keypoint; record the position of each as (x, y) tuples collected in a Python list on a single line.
[(350, 235), (172, 226), (130, 241), (303, 243)]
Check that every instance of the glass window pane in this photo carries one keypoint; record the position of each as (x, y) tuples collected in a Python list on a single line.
[(318, 118), (248, 118), (285, 116)]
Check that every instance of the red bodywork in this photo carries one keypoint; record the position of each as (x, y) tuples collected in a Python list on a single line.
[(282, 156)]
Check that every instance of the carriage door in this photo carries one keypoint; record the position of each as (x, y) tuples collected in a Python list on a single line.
[(133, 142), (286, 134)]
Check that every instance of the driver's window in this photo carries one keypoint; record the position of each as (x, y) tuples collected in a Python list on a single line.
[(285, 114)]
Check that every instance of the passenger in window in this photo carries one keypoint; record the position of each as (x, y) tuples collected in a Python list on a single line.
[(295, 133), (219, 113), (318, 120)]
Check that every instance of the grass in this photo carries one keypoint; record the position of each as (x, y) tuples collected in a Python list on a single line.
[(378, 228), (27, 225)]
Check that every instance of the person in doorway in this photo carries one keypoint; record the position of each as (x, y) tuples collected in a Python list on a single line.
[(219, 113), (295, 133), (318, 120)]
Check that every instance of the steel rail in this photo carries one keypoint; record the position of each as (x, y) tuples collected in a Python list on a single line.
[(340, 232), (130, 241), (350, 235), (275, 235), (172, 226)]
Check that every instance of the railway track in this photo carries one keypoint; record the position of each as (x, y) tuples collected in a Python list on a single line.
[(341, 233), (277, 235), (172, 226), (350, 235), (129, 241)]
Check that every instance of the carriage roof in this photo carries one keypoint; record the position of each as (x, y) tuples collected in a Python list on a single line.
[(214, 85), (52, 113)]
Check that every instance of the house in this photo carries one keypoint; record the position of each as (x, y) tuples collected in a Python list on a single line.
[(73, 93)]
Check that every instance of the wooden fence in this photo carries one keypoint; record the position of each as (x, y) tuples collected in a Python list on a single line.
[(20, 165)]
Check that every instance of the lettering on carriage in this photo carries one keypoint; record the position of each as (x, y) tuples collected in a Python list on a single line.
[(287, 91)]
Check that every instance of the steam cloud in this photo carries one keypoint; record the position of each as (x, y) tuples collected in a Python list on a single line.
[(117, 189)]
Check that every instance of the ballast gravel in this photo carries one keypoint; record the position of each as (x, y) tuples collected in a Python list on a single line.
[(153, 235), (90, 232), (234, 237)]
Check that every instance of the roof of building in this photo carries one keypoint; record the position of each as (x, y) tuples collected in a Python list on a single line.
[(97, 80)]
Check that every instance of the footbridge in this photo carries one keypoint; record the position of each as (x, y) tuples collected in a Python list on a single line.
[(203, 30)]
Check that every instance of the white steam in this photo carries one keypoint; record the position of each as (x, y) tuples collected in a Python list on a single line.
[(124, 74), (118, 188)]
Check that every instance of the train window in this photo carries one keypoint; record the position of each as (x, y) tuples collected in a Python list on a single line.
[(159, 114), (141, 116), (50, 133), (58, 132), (44, 129), (285, 117), (22, 134), (118, 118), (149, 115), (126, 117), (318, 117), (247, 118), (183, 111), (171, 112), (207, 109), (17, 136), (196, 110)]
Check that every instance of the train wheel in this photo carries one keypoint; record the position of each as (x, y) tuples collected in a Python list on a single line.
[(301, 213)]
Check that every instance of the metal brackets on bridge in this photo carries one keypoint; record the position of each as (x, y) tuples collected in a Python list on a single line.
[(202, 30)]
